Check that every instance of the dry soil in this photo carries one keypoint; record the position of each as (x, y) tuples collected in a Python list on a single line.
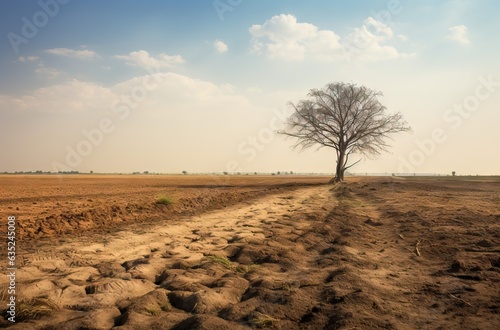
[(99, 252)]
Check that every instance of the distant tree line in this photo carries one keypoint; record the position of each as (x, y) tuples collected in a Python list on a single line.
[(42, 172)]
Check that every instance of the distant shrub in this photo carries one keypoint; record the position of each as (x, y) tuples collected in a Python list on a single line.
[(164, 200)]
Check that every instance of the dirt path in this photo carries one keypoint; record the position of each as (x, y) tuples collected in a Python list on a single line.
[(310, 258), (220, 262)]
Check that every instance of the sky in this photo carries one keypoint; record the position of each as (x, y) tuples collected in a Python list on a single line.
[(203, 86)]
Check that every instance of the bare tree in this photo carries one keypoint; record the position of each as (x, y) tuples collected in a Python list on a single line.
[(345, 117)]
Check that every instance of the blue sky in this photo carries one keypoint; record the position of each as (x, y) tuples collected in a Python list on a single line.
[(212, 80)]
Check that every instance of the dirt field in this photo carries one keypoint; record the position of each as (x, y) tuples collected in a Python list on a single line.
[(99, 252), (54, 205)]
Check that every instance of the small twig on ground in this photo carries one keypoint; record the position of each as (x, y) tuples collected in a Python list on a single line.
[(417, 251), (401, 236), (195, 305), (457, 298)]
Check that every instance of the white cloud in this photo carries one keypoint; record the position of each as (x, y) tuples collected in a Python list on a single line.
[(283, 37), (46, 71), (27, 58), (143, 59), (220, 46), (402, 37), (459, 34), (254, 89), (178, 92), (69, 97), (83, 54), (170, 92), (367, 42)]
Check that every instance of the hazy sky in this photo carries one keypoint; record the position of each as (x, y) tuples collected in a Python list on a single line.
[(201, 86)]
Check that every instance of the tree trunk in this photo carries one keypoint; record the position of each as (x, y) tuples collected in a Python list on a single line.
[(340, 169)]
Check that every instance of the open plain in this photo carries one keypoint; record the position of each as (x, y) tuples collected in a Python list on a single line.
[(239, 252)]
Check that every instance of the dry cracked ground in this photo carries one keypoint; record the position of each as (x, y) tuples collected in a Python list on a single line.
[(371, 253)]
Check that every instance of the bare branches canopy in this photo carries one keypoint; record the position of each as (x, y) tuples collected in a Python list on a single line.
[(346, 117)]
